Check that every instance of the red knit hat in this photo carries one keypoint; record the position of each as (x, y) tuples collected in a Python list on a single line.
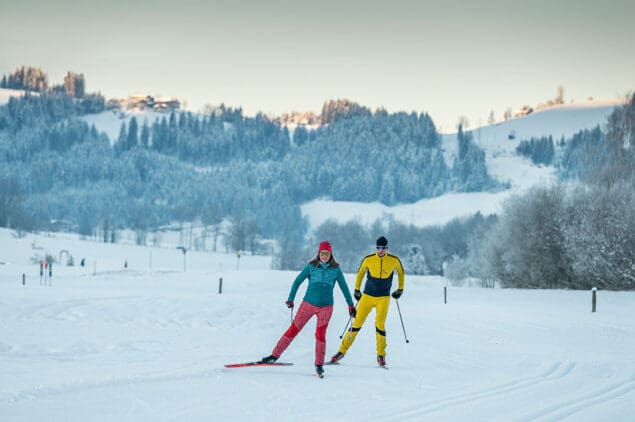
[(325, 246)]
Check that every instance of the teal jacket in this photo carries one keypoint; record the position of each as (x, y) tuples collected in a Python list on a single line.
[(322, 278)]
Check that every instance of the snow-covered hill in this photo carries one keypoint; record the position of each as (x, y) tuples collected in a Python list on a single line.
[(6, 93), (500, 140), (148, 343), (502, 161), (110, 122)]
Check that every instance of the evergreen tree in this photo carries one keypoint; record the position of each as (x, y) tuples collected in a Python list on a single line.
[(415, 261), (132, 139), (28, 78), (145, 135), (74, 85), (491, 120), (121, 144), (540, 150), (300, 136)]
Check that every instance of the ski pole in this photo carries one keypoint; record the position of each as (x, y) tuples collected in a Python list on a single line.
[(401, 319), (346, 327), (350, 318)]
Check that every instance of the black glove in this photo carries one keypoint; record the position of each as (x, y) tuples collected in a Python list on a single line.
[(289, 304), (397, 293), (357, 294), (352, 311)]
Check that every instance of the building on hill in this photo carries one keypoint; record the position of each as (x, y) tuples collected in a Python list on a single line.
[(526, 110), (298, 119), (145, 102)]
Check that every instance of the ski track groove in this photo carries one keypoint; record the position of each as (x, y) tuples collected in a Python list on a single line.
[(80, 387), (559, 411), (556, 371)]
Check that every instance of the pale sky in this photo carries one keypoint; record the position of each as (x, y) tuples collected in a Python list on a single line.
[(447, 58)]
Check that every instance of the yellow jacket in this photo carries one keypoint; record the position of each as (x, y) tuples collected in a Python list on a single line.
[(379, 272)]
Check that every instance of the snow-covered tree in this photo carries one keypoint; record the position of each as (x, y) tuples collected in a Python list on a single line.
[(415, 261)]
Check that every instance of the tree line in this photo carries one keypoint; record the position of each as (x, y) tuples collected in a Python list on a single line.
[(576, 234), (422, 250), (185, 167)]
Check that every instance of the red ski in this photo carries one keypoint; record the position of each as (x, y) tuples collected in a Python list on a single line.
[(245, 364)]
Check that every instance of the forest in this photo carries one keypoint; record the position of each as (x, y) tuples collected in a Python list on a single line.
[(243, 180)]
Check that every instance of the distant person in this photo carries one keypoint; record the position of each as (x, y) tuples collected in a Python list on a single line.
[(323, 272), (83, 262), (378, 268)]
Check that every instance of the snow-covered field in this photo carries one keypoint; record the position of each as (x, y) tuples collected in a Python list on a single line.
[(148, 343)]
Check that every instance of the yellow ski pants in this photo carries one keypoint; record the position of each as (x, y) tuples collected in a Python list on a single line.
[(365, 305)]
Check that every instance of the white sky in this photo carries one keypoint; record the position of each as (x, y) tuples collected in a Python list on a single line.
[(451, 59)]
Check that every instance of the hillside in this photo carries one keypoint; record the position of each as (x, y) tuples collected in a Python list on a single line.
[(110, 122), (502, 163), (500, 158)]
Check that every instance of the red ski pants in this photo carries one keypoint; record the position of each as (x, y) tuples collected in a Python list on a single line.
[(305, 312)]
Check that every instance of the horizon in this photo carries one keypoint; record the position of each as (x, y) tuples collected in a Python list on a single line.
[(284, 57)]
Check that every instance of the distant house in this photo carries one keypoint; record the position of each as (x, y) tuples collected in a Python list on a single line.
[(166, 104), (145, 102), (524, 111)]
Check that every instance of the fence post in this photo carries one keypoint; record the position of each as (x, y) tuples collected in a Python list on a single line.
[(23, 279), (593, 299), (445, 294), (220, 285)]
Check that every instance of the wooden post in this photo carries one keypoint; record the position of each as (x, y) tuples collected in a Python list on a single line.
[(445, 294), (23, 279), (220, 285), (184, 252), (593, 299)]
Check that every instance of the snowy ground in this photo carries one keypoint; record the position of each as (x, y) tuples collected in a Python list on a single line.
[(148, 343)]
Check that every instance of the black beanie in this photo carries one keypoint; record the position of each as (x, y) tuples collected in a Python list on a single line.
[(382, 241)]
